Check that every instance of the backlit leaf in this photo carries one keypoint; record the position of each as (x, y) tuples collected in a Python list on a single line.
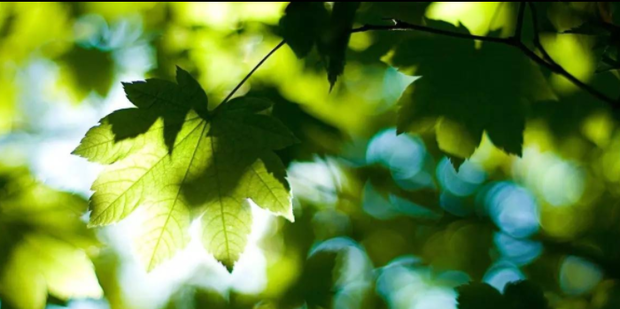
[(176, 161)]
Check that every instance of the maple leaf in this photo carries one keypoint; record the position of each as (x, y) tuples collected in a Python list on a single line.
[(177, 161), (465, 91)]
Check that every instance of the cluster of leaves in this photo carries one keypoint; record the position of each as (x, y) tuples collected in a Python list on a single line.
[(175, 160), (42, 243), (465, 91)]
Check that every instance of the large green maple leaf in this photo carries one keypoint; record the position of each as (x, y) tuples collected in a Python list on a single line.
[(465, 90), (177, 161)]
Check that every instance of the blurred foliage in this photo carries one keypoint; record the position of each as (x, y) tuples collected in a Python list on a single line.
[(44, 243), (517, 295), (529, 218)]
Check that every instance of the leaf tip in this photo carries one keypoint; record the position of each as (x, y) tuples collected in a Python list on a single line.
[(289, 215), (229, 266), (181, 71)]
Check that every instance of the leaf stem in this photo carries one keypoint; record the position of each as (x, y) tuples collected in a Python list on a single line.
[(512, 41), (252, 71)]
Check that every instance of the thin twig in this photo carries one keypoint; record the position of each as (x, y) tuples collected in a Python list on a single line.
[(405, 26), (253, 70), (559, 69)]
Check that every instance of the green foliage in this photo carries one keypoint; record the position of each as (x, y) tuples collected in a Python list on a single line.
[(178, 161), (90, 69), (316, 285), (607, 36), (303, 25), (333, 45), (189, 298), (523, 97), (525, 294), (315, 135), (479, 296), (517, 295), (465, 91), (42, 243), (307, 24)]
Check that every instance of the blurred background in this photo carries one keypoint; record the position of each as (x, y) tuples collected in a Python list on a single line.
[(382, 220)]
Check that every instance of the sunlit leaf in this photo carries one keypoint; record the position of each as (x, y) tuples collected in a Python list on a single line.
[(189, 164)]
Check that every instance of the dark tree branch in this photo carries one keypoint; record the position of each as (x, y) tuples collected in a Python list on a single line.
[(253, 70), (519, 26), (405, 26), (512, 41)]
